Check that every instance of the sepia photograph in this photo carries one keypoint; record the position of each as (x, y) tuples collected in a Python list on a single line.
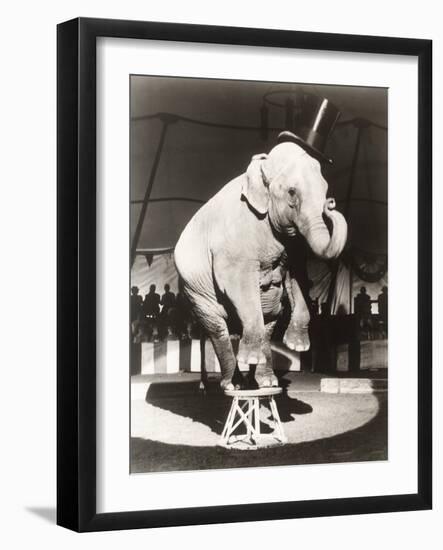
[(258, 268)]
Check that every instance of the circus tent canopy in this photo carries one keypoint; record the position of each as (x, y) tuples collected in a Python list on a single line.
[(216, 128)]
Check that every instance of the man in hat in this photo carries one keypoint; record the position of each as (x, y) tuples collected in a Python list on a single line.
[(136, 310)]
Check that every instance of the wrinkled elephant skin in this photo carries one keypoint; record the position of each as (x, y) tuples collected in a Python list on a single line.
[(232, 256)]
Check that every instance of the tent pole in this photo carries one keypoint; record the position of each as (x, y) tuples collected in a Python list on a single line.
[(351, 280), (135, 240), (360, 124)]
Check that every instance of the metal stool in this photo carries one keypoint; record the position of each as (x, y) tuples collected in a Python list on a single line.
[(245, 410)]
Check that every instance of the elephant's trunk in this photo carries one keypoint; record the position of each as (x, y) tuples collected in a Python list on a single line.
[(324, 245)]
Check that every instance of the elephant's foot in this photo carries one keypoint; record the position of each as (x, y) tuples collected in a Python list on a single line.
[(227, 386), (250, 353), (236, 382), (267, 381), (296, 338), (265, 377)]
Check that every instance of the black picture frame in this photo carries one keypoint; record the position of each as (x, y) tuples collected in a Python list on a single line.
[(76, 278)]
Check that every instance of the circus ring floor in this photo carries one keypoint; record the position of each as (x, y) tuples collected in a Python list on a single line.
[(174, 427)]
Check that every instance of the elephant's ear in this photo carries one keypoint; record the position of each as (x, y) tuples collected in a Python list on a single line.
[(255, 187)]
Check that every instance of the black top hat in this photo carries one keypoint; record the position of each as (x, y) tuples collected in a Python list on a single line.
[(314, 120)]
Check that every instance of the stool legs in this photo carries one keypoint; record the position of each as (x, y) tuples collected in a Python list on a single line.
[(244, 418), (277, 421), (248, 414), (227, 430), (257, 416)]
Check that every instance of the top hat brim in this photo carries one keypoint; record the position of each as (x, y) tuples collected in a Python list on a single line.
[(287, 136)]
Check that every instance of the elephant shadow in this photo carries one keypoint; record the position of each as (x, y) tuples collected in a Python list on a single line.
[(211, 407)]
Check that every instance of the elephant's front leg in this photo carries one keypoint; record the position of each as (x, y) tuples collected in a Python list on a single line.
[(264, 373), (240, 283), (297, 336)]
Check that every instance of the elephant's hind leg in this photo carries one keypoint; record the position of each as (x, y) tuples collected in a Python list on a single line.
[(211, 316)]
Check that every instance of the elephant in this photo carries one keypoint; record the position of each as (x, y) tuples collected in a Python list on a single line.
[(232, 256)]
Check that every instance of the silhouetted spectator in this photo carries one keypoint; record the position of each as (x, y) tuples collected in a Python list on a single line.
[(168, 300), (136, 303), (362, 309), (151, 304), (362, 303), (168, 303), (136, 310), (151, 311), (383, 307)]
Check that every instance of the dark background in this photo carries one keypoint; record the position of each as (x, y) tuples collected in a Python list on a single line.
[(197, 159)]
